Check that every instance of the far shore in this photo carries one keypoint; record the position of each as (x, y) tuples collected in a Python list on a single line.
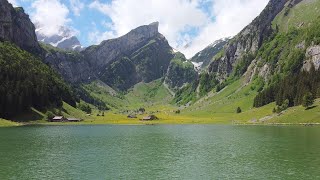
[(156, 122)]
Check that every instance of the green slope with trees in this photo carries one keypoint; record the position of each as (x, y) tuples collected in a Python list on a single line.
[(27, 82)]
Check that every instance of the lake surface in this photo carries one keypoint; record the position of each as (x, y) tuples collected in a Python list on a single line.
[(160, 152)]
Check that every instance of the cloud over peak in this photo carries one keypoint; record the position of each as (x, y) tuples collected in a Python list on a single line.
[(183, 22), (189, 25)]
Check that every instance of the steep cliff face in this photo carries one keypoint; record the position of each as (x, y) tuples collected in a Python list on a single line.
[(70, 65), (180, 72), (248, 41), (111, 49), (206, 55), (141, 55), (16, 27)]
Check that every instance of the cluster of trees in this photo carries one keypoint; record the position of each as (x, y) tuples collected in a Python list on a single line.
[(87, 97), (207, 83), (186, 94), (243, 65), (27, 82), (85, 108), (295, 89)]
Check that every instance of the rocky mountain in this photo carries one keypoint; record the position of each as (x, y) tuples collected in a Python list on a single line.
[(281, 42), (204, 57), (247, 42), (71, 65), (180, 72), (142, 55), (26, 81), (16, 27), (65, 39)]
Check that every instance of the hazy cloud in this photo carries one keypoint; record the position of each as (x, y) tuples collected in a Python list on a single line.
[(13, 2), (49, 15), (76, 6)]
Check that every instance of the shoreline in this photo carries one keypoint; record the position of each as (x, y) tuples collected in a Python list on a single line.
[(19, 124)]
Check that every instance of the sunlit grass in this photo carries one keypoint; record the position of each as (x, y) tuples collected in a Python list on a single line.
[(6, 123)]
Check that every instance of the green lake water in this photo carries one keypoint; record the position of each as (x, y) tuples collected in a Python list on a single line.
[(160, 152)]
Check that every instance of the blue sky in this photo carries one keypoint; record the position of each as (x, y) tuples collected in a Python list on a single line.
[(196, 23)]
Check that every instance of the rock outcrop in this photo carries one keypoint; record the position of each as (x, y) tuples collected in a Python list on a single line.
[(142, 55), (16, 27), (70, 65), (180, 72), (111, 49), (248, 41), (313, 58), (206, 55)]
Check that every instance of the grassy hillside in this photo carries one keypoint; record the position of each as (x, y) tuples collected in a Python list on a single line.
[(148, 95), (27, 82), (6, 123), (302, 15), (101, 91), (215, 108), (34, 115), (221, 108)]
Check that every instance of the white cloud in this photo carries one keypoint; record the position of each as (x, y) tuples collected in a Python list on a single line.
[(49, 15), (14, 3), (176, 16), (76, 6), (95, 36), (231, 16)]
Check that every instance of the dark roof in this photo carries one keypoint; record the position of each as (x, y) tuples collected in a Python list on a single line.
[(73, 119)]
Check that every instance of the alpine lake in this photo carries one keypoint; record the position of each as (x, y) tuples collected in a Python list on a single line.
[(160, 152)]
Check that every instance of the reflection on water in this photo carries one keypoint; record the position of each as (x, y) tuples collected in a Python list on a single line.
[(160, 152)]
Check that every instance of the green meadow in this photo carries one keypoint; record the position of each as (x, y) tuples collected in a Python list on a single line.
[(215, 108)]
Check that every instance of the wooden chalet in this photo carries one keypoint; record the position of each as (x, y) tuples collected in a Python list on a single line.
[(58, 119), (73, 120), (131, 116)]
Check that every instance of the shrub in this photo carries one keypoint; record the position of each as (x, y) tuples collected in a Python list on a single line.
[(239, 110), (307, 100), (85, 107)]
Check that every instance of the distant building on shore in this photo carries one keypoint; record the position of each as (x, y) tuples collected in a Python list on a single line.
[(58, 119), (63, 119), (73, 120)]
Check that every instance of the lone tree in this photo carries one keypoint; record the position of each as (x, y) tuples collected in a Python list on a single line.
[(239, 110), (307, 100)]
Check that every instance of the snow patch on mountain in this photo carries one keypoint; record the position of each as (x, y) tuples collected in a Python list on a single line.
[(65, 39)]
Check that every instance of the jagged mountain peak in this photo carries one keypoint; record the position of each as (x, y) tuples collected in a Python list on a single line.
[(203, 58), (65, 38), (140, 33), (147, 30)]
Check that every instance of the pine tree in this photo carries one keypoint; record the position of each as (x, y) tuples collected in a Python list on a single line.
[(308, 100)]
